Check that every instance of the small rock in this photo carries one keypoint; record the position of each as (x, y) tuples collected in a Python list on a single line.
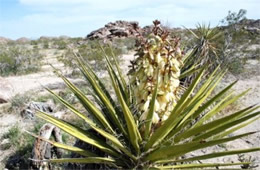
[(32, 107)]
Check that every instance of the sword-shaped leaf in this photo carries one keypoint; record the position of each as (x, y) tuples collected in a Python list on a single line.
[(101, 92), (148, 123), (66, 147), (201, 165), (133, 132), (78, 133), (170, 123), (174, 151), (217, 154)]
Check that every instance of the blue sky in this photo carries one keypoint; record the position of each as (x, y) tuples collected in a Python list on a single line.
[(35, 18)]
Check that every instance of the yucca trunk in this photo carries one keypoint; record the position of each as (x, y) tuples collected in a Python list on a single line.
[(159, 60)]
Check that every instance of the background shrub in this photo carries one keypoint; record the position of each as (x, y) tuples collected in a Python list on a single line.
[(16, 60)]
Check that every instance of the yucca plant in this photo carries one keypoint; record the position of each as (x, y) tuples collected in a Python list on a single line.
[(207, 48), (208, 43), (137, 135)]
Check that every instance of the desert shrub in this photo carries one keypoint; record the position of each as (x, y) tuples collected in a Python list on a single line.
[(65, 93), (150, 124), (13, 136), (125, 44), (76, 40), (236, 65), (60, 44), (46, 45), (236, 41), (16, 60), (234, 18), (19, 100), (34, 42), (21, 143), (91, 52), (256, 54), (18, 140), (242, 37), (18, 103)]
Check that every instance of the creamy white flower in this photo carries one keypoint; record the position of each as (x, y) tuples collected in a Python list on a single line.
[(143, 95), (144, 116), (156, 105), (178, 51), (156, 118), (169, 96), (171, 107), (150, 70), (175, 62), (166, 78), (158, 58), (175, 68), (151, 56), (175, 83), (156, 55), (146, 105), (146, 63), (162, 101), (165, 117), (162, 63)]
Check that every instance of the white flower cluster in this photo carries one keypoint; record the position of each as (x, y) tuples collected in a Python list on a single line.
[(161, 55)]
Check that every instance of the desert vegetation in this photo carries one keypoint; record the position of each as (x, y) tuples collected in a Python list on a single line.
[(110, 113), (153, 126), (15, 60)]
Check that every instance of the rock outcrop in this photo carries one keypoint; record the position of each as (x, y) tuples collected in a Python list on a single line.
[(23, 40), (252, 26), (115, 29)]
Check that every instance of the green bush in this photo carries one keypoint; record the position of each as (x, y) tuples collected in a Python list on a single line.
[(34, 42), (125, 44), (22, 143), (60, 44), (92, 52), (16, 60), (236, 66), (46, 45)]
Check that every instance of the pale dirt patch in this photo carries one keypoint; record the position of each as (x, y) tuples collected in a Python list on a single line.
[(253, 97)]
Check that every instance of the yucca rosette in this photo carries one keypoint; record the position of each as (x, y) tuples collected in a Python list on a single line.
[(157, 58)]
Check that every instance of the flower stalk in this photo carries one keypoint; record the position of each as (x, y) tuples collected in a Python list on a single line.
[(157, 52)]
